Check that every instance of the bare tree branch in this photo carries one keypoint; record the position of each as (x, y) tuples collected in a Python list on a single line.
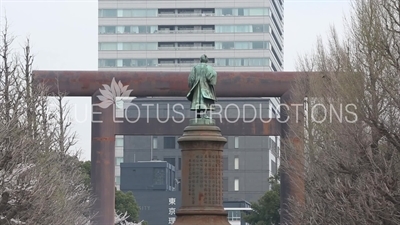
[(353, 165)]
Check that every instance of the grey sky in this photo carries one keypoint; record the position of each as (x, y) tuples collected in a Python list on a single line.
[(63, 35)]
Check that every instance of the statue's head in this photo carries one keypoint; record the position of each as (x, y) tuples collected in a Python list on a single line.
[(203, 59)]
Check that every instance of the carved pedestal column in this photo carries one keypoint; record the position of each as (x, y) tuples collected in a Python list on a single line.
[(202, 146)]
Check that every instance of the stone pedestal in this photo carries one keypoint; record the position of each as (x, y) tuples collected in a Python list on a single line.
[(201, 183)]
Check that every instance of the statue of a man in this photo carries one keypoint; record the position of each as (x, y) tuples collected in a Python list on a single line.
[(202, 81)]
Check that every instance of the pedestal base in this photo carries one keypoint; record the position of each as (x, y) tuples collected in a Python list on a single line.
[(202, 220), (202, 146)]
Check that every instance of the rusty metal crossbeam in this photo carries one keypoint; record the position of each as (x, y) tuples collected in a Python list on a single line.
[(230, 84)]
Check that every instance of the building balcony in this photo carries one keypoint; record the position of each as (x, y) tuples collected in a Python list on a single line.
[(184, 14), (187, 68), (187, 48), (187, 64), (184, 31), (184, 64), (196, 36), (187, 53), (184, 21)]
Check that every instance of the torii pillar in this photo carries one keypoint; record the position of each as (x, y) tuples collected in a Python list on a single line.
[(173, 84)]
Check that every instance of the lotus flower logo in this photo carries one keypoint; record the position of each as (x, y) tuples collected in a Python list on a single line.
[(111, 93)]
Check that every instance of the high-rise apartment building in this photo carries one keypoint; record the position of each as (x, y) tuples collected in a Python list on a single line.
[(171, 35)]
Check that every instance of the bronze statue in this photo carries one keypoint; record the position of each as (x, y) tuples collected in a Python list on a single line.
[(202, 81)]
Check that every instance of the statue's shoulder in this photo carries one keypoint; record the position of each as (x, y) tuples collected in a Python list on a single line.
[(197, 66), (211, 69)]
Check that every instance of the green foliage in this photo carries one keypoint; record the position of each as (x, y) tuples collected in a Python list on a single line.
[(85, 168), (266, 209), (125, 202)]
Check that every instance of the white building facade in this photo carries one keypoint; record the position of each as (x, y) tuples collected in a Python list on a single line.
[(236, 35)]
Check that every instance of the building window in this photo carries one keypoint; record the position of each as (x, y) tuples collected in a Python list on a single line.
[(228, 45), (225, 163), (225, 184), (158, 176), (256, 12), (273, 167), (236, 142), (179, 184), (119, 160), (170, 160), (273, 67), (269, 143), (179, 163), (108, 13), (119, 141), (236, 184), (110, 46), (234, 215), (260, 45), (107, 63), (114, 13), (274, 113), (154, 142), (171, 177), (127, 29), (127, 63), (236, 162), (117, 180), (169, 142), (242, 12)]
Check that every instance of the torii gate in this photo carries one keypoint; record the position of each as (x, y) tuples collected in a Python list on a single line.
[(173, 84)]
